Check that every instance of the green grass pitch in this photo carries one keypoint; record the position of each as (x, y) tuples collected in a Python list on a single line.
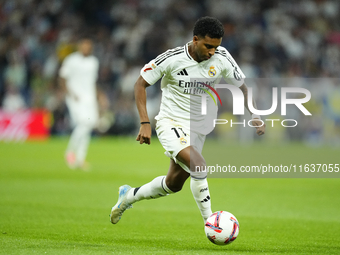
[(45, 208)]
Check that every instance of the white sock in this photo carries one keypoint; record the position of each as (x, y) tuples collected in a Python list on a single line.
[(200, 191), (154, 189)]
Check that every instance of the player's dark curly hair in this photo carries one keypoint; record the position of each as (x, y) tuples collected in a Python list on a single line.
[(209, 26)]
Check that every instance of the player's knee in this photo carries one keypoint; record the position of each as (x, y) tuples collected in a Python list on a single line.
[(197, 164), (198, 168)]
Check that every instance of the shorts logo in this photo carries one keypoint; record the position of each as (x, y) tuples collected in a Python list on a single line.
[(183, 141), (212, 71)]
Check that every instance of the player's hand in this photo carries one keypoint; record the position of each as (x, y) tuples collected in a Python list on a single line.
[(260, 130), (144, 135)]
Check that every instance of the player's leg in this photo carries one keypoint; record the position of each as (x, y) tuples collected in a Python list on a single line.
[(84, 132), (78, 145), (198, 183), (176, 176), (158, 187), (72, 143), (161, 185), (70, 154), (85, 116)]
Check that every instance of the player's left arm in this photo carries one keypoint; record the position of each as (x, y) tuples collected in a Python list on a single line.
[(260, 126)]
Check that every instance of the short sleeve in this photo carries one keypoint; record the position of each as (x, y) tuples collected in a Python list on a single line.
[(65, 68), (151, 73), (232, 73)]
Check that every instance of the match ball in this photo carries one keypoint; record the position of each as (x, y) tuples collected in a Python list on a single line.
[(221, 228)]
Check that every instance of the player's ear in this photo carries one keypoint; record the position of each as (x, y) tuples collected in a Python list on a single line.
[(195, 39)]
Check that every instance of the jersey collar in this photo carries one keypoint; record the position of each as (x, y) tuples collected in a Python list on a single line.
[(189, 56), (187, 51)]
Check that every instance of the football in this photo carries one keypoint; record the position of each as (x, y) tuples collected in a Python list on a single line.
[(221, 228)]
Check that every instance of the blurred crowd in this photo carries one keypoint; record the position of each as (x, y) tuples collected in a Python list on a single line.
[(268, 38)]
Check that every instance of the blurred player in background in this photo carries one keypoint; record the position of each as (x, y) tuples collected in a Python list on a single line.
[(179, 127), (78, 76)]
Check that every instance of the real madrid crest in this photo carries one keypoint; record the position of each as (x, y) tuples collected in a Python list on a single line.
[(212, 71), (183, 141)]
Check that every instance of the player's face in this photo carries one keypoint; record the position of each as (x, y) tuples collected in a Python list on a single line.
[(85, 47), (205, 47)]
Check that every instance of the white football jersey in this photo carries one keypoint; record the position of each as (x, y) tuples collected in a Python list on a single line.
[(184, 79), (81, 75)]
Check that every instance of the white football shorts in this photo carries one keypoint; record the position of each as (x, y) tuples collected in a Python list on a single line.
[(83, 113), (175, 137)]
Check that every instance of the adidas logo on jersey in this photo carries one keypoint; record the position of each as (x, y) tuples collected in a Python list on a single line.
[(183, 72)]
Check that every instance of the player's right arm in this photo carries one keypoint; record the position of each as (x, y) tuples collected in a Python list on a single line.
[(144, 135), (66, 91), (64, 74), (149, 75)]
